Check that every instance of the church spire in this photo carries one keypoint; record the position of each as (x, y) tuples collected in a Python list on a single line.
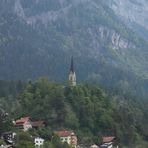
[(72, 75), (72, 65)]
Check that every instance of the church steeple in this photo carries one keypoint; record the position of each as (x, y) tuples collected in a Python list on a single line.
[(72, 65), (72, 75)]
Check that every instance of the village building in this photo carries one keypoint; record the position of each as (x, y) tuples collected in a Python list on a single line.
[(24, 123), (8, 137), (37, 124), (67, 136), (39, 142)]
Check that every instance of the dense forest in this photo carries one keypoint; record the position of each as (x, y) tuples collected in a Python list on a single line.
[(86, 109), (44, 34)]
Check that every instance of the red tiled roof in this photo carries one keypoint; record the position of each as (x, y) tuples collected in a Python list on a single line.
[(108, 139), (22, 120), (37, 123), (64, 133), (19, 123)]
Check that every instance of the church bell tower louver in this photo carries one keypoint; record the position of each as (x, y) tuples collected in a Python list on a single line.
[(72, 74)]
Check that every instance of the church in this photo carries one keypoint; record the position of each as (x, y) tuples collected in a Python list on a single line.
[(72, 74)]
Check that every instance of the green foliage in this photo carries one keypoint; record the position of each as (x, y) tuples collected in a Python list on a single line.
[(48, 145), (45, 133), (24, 144), (23, 136), (8, 94), (5, 122), (86, 109), (24, 140), (43, 50), (2, 142), (5, 125)]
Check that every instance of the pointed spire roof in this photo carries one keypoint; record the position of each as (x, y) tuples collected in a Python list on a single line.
[(72, 75), (72, 65)]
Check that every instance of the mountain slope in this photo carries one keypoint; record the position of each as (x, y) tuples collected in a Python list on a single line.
[(134, 13), (38, 37)]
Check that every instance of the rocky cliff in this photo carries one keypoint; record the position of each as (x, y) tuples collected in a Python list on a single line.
[(133, 12), (110, 35)]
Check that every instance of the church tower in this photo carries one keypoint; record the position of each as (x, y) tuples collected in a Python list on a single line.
[(72, 75)]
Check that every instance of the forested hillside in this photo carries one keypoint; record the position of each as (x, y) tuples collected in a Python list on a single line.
[(86, 109), (38, 37)]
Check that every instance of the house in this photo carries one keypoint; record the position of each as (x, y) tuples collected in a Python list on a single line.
[(8, 137), (37, 124), (94, 146), (23, 123), (39, 142), (108, 142), (68, 136)]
